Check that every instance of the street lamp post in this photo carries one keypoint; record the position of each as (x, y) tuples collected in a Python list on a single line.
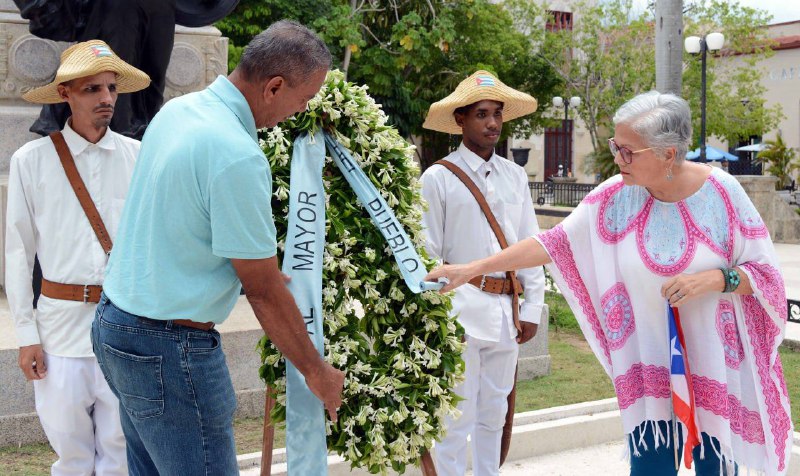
[(696, 45), (559, 102)]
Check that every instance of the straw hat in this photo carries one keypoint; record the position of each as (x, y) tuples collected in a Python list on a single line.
[(87, 59), (481, 85)]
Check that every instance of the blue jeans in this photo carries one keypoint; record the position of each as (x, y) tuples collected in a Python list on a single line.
[(661, 461), (175, 393)]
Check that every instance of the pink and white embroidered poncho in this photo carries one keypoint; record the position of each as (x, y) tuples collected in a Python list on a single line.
[(610, 258)]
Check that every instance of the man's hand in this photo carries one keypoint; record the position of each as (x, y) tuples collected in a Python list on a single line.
[(528, 332), (327, 384), (31, 361), (282, 321)]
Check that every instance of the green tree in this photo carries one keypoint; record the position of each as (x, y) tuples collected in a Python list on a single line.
[(609, 57), (780, 161), (251, 17), (736, 107), (412, 53)]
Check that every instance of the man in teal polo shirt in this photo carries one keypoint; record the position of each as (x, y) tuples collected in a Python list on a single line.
[(196, 229)]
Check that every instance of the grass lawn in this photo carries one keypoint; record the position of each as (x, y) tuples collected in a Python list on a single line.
[(576, 377)]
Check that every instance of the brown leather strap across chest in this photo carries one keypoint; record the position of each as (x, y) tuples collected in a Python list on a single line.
[(81, 191)]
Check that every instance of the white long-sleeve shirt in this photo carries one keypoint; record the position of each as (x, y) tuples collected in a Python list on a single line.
[(458, 232), (45, 217)]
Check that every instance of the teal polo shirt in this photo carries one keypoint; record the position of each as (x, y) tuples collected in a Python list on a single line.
[(200, 195)]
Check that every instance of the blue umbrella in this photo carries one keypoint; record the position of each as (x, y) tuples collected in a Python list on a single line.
[(712, 153)]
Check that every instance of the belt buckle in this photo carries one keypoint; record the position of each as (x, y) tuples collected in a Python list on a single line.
[(85, 293), (482, 287)]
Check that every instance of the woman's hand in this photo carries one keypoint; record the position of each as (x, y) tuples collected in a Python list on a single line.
[(454, 275), (683, 287)]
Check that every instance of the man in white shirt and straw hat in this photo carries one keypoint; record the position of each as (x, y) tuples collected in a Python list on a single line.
[(65, 197), (458, 230)]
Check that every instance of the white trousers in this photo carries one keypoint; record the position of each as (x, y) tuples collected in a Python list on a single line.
[(80, 417), (489, 379)]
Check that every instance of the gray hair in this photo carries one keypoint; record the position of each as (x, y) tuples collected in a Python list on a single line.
[(286, 49), (663, 121)]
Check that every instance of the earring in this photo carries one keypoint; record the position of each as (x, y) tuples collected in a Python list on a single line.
[(669, 173)]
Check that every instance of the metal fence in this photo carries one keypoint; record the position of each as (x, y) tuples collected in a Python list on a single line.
[(559, 194)]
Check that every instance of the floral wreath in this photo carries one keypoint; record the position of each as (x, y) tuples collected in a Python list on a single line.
[(401, 351)]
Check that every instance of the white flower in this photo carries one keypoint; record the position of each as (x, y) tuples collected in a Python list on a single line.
[(370, 292), (396, 294), (282, 193), (381, 306), (435, 388), (391, 337)]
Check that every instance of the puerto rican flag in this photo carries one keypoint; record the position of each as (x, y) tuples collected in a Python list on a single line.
[(681, 382)]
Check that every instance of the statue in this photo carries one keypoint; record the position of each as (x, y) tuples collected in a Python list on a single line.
[(141, 32)]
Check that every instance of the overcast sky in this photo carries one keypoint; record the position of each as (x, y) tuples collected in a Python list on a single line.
[(781, 10)]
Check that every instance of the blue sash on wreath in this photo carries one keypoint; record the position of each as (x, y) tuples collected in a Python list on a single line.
[(306, 448)]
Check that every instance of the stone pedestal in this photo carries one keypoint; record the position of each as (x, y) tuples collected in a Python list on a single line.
[(534, 355), (781, 219), (27, 61)]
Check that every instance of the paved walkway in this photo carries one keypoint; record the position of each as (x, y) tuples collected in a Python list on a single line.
[(606, 459), (578, 462)]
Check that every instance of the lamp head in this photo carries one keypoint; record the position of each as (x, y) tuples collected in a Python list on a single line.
[(692, 44), (558, 101), (715, 41)]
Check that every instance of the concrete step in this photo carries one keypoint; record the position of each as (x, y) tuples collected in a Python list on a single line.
[(535, 433)]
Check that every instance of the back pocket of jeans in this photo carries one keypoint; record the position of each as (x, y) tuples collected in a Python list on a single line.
[(137, 380)]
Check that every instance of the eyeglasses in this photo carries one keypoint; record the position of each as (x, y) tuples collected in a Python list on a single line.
[(626, 153)]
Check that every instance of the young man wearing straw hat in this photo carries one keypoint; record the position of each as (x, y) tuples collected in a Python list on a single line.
[(459, 231), (61, 189)]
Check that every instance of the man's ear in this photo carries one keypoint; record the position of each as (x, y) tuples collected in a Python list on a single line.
[(273, 86), (459, 119), (62, 92)]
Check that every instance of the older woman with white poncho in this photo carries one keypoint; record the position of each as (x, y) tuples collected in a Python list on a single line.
[(666, 232)]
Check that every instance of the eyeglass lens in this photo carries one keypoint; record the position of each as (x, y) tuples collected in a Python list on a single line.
[(626, 154)]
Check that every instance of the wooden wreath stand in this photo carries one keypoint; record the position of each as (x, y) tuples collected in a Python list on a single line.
[(268, 440), (425, 462)]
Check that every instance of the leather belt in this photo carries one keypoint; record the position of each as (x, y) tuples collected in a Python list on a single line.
[(490, 284), (72, 292), (203, 326)]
